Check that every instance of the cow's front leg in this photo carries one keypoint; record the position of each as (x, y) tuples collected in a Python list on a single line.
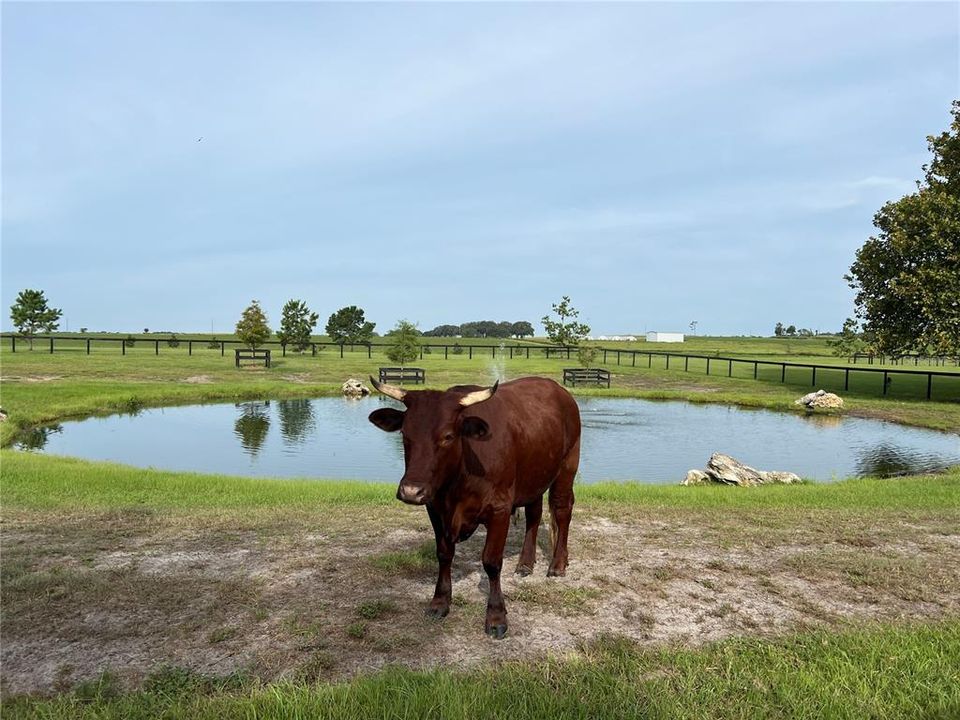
[(440, 605), (495, 624)]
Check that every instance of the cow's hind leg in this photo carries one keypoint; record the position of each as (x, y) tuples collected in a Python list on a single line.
[(561, 510), (528, 554), (440, 605), (495, 623)]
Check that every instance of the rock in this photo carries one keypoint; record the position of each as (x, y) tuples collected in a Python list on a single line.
[(820, 399), (726, 470), (354, 388), (827, 400), (695, 477)]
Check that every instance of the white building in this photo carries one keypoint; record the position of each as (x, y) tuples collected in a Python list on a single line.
[(664, 337)]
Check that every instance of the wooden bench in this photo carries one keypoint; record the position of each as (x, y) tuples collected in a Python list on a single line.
[(258, 355), (417, 376), (586, 376)]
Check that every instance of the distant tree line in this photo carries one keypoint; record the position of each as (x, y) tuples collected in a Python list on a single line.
[(484, 329)]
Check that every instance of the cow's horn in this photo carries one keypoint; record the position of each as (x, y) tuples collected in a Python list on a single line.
[(389, 390), (478, 395)]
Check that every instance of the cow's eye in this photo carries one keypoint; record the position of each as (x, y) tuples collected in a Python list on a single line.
[(447, 438)]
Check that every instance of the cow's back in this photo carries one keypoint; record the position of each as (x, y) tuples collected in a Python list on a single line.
[(534, 425)]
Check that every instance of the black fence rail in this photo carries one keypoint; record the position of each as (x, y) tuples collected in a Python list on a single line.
[(879, 380), (916, 360)]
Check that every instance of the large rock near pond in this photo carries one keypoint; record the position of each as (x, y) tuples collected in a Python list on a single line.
[(354, 388), (820, 399), (726, 470)]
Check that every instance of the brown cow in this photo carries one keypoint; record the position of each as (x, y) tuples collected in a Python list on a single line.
[(472, 455)]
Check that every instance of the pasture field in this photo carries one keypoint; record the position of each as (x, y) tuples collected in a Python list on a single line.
[(138, 593)]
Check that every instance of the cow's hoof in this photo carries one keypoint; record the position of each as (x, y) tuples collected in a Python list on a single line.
[(523, 570), (556, 572), (496, 631), (437, 613)]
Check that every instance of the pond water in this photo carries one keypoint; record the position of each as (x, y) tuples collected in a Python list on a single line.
[(623, 439)]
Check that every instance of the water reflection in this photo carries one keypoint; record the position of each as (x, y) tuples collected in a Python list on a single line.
[(37, 438), (253, 425), (297, 420), (891, 461)]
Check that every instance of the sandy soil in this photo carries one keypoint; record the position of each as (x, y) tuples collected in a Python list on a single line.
[(336, 593)]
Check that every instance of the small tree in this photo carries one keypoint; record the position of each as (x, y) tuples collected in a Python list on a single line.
[(252, 329), (586, 354), (693, 326), (349, 326), (31, 314), (791, 330), (297, 324), (174, 341), (565, 330), (778, 330), (404, 343)]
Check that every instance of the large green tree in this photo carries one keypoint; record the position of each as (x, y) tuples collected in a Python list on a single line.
[(565, 330), (31, 314), (907, 277), (296, 324), (348, 325), (252, 329)]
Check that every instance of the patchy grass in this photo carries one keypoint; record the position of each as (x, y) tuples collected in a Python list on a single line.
[(874, 672)]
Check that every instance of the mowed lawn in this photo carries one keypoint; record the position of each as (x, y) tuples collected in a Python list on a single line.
[(134, 593)]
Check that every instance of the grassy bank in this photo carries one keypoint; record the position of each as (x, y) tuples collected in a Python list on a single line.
[(41, 482), (885, 672)]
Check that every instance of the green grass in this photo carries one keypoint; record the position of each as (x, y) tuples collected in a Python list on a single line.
[(876, 672), (43, 482)]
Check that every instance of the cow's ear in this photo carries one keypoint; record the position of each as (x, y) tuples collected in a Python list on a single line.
[(475, 428), (387, 419)]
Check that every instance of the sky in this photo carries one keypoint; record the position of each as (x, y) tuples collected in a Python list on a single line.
[(660, 163)]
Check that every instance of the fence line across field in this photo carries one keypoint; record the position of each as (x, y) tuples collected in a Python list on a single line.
[(512, 351)]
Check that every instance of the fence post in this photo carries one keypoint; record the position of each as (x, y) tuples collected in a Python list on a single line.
[(88, 346), (156, 347), (123, 346), (783, 372), (471, 352), (618, 357), (885, 382), (668, 362), (708, 366), (51, 344), (13, 343), (223, 349), (813, 379), (189, 347), (568, 352), (604, 357), (341, 353), (929, 384), (649, 360), (528, 352), (846, 379), (493, 351), (446, 351), (283, 349), (730, 368), (755, 369), (634, 353), (421, 352)]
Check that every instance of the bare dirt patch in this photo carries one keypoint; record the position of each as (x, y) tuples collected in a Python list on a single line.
[(328, 594), (32, 378), (199, 380)]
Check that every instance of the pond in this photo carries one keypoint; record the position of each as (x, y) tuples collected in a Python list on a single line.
[(623, 439)]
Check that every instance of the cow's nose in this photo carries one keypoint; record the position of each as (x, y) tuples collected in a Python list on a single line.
[(411, 495)]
